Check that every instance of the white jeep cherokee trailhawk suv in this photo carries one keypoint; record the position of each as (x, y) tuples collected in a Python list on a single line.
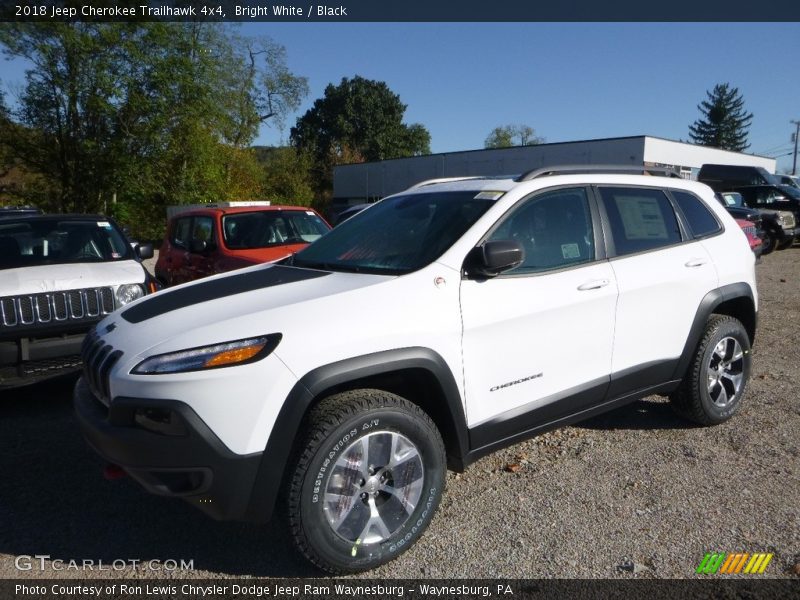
[(442, 323)]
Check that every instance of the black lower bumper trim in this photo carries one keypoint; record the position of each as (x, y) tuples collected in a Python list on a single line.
[(194, 464)]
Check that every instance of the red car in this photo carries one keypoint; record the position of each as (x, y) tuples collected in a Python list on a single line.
[(205, 241), (752, 235)]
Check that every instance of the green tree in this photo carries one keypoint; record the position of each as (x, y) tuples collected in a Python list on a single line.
[(287, 176), (506, 136), (724, 123), (5, 124), (145, 113), (355, 121), (67, 105), (197, 106)]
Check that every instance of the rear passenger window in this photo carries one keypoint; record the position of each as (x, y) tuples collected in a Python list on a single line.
[(700, 219), (641, 219)]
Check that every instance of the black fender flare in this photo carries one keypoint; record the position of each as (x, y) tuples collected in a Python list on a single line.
[(276, 455), (707, 306)]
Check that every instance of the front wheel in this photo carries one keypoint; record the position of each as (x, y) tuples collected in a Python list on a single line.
[(768, 242), (366, 480), (714, 383)]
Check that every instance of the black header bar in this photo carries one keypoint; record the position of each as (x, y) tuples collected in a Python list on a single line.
[(388, 589), (334, 11)]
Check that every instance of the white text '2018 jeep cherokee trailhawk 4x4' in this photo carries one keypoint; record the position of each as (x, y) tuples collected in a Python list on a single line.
[(439, 324)]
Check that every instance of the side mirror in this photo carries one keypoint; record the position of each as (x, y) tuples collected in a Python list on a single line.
[(144, 251), (198, 246), (493, 258)]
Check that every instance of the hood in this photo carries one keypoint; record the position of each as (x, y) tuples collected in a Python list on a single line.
[(262, 255), (60, 277), (224, 303)]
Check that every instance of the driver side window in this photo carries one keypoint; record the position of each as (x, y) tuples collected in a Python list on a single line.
[(554, 229)]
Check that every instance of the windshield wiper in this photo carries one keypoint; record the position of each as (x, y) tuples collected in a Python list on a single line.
[(345, 268), (324, 266)]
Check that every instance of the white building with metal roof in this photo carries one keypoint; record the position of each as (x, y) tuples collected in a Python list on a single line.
[(356, 183)]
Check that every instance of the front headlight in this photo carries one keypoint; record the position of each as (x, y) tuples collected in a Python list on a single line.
[(239, 352), (128, 293), (786, 219)]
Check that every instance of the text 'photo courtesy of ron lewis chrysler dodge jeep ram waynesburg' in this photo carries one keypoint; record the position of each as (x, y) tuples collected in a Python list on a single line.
[(435, 326)]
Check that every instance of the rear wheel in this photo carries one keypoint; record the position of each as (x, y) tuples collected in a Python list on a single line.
[(712, 389), (365, 482)]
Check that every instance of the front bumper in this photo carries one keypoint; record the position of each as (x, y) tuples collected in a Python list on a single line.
[(24, 360), (789, 233), (169, 450)]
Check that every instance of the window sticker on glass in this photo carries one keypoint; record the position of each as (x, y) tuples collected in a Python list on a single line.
[(310, 212), (489, 195), (104, 224), (641, 218), (570, 251)]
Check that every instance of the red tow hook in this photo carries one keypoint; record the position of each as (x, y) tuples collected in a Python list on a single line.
[(113, 472)]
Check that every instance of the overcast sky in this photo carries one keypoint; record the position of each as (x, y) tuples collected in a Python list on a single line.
[(568, 81)]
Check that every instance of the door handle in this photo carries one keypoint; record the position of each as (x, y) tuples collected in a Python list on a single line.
[(594, 285), (697, 262)]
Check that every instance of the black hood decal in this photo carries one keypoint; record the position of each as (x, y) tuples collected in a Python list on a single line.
[(166, 301)]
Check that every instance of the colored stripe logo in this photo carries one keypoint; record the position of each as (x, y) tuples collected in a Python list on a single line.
[(733, 563)]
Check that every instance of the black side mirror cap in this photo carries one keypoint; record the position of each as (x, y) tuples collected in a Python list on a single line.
[(495, 257), (144, 251)]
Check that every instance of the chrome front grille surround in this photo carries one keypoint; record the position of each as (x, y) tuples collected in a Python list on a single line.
[(56, 307)]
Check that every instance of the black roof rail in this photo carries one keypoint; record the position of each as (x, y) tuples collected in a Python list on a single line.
[(613, 169)]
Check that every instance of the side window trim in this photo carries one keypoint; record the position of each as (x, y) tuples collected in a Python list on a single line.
[(601, 235), (683, 222), (609, 249)]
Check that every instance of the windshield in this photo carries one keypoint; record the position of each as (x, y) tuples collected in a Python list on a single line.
[(30, 242), (732, 199), (266, 228), (398, 235), (790, 191)]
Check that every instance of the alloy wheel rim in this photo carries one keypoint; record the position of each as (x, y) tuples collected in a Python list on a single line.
[(725, 371), (374, 487)]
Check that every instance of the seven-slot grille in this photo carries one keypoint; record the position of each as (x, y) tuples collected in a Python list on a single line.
[(56, 307), (98, 359), (751, 230)]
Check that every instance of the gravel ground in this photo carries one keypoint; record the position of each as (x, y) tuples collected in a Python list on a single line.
[(633, 493)]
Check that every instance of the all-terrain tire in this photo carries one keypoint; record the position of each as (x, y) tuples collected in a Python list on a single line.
[(715, 381), (365, 480)]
